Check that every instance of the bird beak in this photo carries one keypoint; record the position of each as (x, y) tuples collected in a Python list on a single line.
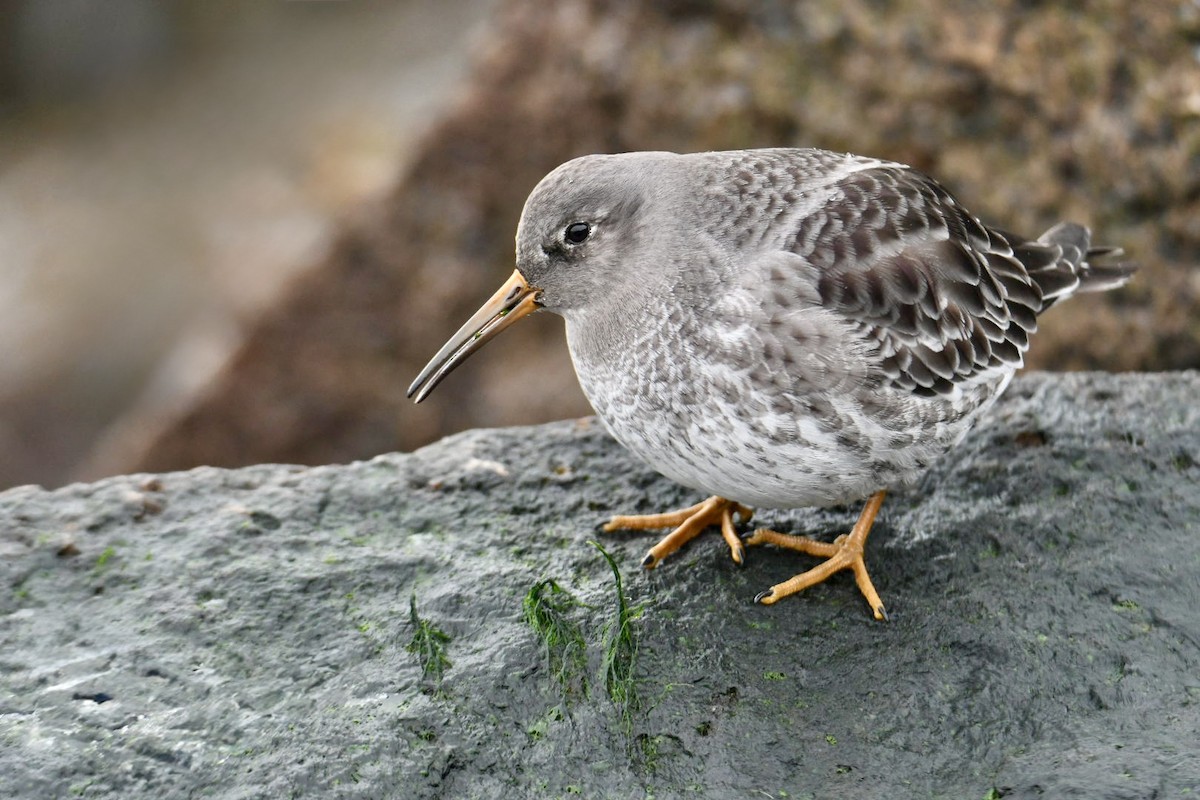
[(514, 300)]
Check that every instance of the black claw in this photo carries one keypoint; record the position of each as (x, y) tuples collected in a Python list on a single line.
[(763, 595), (649, 561), (881, 611), (738, 555)]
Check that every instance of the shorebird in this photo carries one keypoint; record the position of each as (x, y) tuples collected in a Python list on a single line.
[(779, 328)]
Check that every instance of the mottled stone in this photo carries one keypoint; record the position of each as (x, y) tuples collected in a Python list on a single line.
[(245, 633)]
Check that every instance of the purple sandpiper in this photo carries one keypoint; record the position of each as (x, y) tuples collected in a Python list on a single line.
[(779, 328)]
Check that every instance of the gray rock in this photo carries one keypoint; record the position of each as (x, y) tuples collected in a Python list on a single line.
[(246, 633)]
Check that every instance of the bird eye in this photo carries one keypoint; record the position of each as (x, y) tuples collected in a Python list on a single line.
[(577, 233)]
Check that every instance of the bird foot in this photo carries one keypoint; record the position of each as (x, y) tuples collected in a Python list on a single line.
[(687, 524), (845, 552)]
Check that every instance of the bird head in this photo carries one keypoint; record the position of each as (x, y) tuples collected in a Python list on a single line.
[(576, 230)]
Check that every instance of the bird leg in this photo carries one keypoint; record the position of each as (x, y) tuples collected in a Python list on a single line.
[(687, 524), (845, 552)]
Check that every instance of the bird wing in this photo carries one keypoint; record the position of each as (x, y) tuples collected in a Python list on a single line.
[(937, 297)]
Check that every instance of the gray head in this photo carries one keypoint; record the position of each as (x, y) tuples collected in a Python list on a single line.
[(583, 223), (579, 229)]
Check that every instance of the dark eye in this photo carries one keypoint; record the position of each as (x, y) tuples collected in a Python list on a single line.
[(577, 233)]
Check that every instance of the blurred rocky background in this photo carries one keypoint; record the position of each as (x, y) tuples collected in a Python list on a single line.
[(165, 169), (232, 233)]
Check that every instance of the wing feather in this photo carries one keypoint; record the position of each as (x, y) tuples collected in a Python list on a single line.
[(941, 297)]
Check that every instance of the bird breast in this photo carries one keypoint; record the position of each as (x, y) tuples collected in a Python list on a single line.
[(705, 405)]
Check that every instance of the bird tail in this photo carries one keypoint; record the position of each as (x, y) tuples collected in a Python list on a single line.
[(1062, 262)]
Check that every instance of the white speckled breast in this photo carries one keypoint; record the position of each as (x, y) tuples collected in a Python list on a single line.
[(709, 423)]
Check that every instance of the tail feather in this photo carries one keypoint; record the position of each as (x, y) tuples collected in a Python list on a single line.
[(1062, 262)]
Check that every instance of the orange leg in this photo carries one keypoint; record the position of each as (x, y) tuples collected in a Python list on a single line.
[(687, 524), (845, 552)]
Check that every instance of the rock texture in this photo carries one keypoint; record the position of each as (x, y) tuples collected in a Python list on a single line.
[(1030, 113), (247, 633)]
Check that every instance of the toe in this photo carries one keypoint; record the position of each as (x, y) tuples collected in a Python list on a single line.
[(766, 597), (751, 538)]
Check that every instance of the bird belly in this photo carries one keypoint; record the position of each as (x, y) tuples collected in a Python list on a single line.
[(716, 429), (745, 452), (737, 459)]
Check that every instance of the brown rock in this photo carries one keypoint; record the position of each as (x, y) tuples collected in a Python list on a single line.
[(1030, 114)]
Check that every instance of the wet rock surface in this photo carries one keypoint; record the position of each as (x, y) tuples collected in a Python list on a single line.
[(249, 633)]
